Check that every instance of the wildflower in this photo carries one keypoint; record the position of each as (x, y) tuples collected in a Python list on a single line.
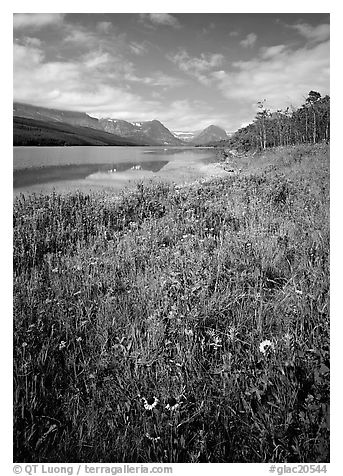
[(62, 344), (172, 404), (153, 437), (216, 342), (78, 339), (150, 403), (232, 332), (24, 344), (266, 345)]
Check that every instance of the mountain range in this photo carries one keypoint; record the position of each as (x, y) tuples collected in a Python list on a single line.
[(34, 125)]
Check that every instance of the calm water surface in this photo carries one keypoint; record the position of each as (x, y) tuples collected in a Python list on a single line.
[(42, 169)]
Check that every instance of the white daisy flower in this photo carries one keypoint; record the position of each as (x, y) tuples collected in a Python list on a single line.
[(172, 404), (266, 345), (152, 437), (150, 403)]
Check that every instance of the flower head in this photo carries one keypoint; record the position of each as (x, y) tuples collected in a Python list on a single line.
[(266, 346), (153, 437), (216, 342), (172, 404), (62, 344), (150, 403)]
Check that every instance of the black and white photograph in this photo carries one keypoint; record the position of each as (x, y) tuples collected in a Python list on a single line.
[(171, 239)]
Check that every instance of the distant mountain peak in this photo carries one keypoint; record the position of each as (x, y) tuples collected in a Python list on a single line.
[(145, 132), (211, 133), (153, 131), (213, 127)]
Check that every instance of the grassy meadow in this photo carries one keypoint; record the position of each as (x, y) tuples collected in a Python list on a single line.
[(177, 323)]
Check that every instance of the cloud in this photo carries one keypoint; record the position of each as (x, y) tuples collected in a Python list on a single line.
[(207, 29), (95, 59), (185, 114), (164, 80), (250, 40), (104, 38), (160, 19), (97, 83), (317, 33), (73, 85), (35, 21), (26, 56), (81, 85), (271, 51), (158, 79), (31, 41), (180, 115), (138, 48), (202, 63), (104, 26), (80, 36), (282, 76), (198, 67)]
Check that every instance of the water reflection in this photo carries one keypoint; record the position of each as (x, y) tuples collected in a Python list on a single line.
[(64, 169), (56, 173)]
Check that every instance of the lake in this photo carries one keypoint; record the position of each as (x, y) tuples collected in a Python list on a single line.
[(64, 169)]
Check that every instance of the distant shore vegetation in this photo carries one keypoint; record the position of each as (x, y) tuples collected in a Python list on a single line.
[(308, 124)]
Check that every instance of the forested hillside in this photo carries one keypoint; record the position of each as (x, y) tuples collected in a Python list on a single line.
[(308, 124), (31, 132)]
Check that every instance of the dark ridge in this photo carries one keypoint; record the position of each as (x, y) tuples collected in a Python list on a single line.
[(32, 132)]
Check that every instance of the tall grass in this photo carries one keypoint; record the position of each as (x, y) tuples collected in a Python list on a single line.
[(162, 297)]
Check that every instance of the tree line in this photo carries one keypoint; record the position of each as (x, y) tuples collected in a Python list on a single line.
[(310, 123)]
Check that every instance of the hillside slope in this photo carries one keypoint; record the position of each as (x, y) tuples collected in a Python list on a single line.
[(31, 132), (142, 133), (210, 134), (153, 131)]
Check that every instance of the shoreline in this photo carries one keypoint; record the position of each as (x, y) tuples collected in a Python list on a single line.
[(175, 171)]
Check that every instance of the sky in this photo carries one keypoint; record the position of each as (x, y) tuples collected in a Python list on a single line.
[(187, 70)]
